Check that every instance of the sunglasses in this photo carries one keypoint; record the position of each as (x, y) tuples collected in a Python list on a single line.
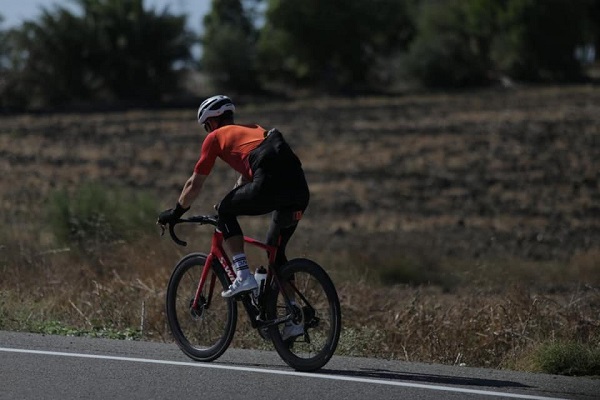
[(206, 126)]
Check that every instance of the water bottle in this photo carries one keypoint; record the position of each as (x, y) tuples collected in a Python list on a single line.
[(261, 277)]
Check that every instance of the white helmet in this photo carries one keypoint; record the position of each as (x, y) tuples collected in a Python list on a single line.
[(213, 107)]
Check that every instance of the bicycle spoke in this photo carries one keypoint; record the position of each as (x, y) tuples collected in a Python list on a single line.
[(318, 313), (202, 332), (202, 327)]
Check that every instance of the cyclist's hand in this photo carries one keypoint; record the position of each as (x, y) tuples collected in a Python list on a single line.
[(166, 217), (171, 215)]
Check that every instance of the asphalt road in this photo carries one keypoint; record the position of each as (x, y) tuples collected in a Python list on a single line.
[(56, 367)]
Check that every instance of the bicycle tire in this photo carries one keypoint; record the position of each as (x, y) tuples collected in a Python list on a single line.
[(315, 348), (205, 333)]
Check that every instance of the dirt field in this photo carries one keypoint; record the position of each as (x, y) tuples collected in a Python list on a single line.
[(490, 174), (499, 182)]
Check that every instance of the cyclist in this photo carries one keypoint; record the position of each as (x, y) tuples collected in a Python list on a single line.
[(271, 180)]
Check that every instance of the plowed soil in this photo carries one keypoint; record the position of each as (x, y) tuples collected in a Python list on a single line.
[(497, 173)]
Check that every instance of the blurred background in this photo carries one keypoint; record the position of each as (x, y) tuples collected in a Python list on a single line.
[(56, 54), (451, 149)]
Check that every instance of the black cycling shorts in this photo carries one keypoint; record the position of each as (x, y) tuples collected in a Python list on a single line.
[(278, 186)]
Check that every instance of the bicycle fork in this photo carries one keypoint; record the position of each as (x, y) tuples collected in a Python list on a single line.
[(203, 278)]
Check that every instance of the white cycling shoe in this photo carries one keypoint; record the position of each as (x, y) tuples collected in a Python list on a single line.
[(238, 286), (292, 331)]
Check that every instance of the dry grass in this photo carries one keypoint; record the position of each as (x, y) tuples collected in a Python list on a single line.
[(459, 228), (480, 322), (475, 328)]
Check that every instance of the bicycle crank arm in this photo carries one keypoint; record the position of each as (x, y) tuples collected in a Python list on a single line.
[(273, 322)]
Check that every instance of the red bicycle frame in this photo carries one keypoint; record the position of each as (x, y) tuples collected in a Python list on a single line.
[(218, 252)]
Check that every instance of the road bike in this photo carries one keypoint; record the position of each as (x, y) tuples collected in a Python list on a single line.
[(298, 292)]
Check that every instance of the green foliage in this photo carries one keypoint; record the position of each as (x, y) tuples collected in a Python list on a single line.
[(12, 92), (119, 50), (95, 214), (229, 45), (3, 46), (358, 342), (569, 358), (133, 50), (415, 269), (593, 22), (537, 39), (453, 46), (52, 69), (465, 43), (112, 49), (330, 43)]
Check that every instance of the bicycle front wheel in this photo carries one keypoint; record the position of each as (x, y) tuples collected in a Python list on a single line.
[(317, 310), (205, 331)]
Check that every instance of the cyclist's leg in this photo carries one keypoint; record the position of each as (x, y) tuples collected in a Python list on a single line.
[(250, 199), (283, 225), (292, 202), (285, 192), (281, 229)]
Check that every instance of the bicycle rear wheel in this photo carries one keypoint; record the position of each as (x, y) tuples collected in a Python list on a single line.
[(203, 333), (318, 310)]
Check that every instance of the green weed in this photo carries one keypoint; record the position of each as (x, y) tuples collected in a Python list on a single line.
[(95, 214), (107, 332), (568, 358)]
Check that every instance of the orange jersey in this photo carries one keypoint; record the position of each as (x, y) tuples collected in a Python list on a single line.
[(232, 144)]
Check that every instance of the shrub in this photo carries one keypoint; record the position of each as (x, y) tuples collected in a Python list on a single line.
[(95, 214), (416, 270), (569, 358), (452, 48)]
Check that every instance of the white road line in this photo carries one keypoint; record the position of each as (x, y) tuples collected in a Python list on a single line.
[(282, 372)]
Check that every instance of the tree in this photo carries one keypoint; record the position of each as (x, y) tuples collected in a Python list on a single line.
[(537, 39), (454, 42), (112, 49), (331, 43), (229, 47), (3, 46), (594, 22), (466, 42), (135, 49), (12, 93), (3, 55), (50, 58)]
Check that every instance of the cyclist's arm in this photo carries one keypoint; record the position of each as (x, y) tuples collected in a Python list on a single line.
[(191, 190)]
